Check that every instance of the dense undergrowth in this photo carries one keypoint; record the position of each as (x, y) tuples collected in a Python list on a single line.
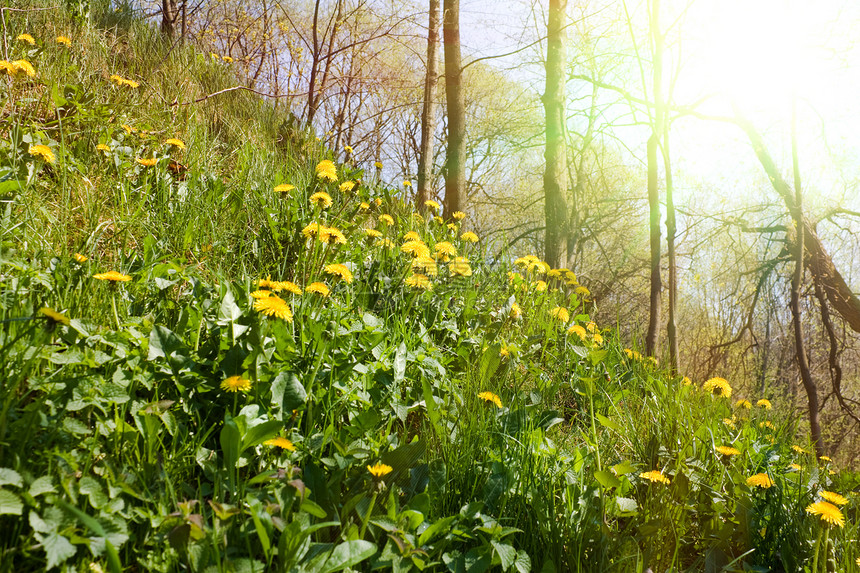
[(224, 352)]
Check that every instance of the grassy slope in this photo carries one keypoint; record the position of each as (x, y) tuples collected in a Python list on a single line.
[(115, 426)]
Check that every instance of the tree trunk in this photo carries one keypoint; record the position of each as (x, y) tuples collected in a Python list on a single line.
[(169, 14), (671, 230), (455, 160), (428, 114), (797, 280), (652, 339), (555, 174)]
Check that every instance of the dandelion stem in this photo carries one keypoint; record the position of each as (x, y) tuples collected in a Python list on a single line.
[(817, 549), (113, 307), (367, 515)]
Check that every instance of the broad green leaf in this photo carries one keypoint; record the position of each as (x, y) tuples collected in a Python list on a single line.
[(626, 505), (41, 486), (313, 508), (288, 391), (260, 433), (606, 479), (623, 468), (10, 477), (606, 422), (404, 457), (163, 342), (440, 526), (10, 504), (523, 564), (231, 440), (344, 555), (58, 549), (507, 554), (400, 363)]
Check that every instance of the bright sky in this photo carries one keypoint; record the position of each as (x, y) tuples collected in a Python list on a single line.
[(755, 52)]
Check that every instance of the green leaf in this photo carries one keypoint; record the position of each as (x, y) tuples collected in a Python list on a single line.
[(41, 486), (10, 186), (523, 564), (490, 361), (507, 554), (260, 433), (344, 555), (313, 508), (288, 391), (440, 526), (626, 505), (231, 440), (623, 468), (10, 477), (10, 504), (606, 479), (163, 342), (58, 549), (606, 422), (404, 457), (400, 363)]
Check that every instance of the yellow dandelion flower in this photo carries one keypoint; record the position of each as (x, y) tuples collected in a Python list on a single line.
[(582, 291), (339, 270), (766, 424), (64, 41), (418, 281), (407, 183), (554, 274), (458, 215), (274, 306), (490, 397), (311, 230), (121, 81), (418, 249), (347, 148), (19, 69), (427, 264), (129, 129), (318, 288), (148, 162), (227, 59), (444, 249), (432, 205), (103, 147), (379, 470), (796, 467), (378, 201), (828, 513), (81, 258), (577, 330), (175, 142), (347, 186), (329, 235), (798, 449), (764, 404), (760, 480), (597, 339), (469, 237), (26, 38), (258, 294), (439, 220), (516, 312), (460, 267), (112, 276), (686, 381), (387, 219), (326, 170), (745, 404), (540, 286), (560, 313), (718, 387), (729, 422), (280, 442), (655, 476), (236, 384), (43, 152), (364, 207), (377, 164), (54, 316), (384, 243), (287, 286), (825, 458), (411, 236), (321, 199), (591, 326), (833, 498), (372, 233), (728, 451), (283, 188)]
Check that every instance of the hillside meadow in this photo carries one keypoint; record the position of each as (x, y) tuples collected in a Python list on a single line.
[(224, 349)]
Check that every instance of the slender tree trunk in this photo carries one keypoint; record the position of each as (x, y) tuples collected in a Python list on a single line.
[(652, 338), (555, 174), (671, 230), (455, 161), (315, 60), (169, 14), (796, 282), (428, 114)]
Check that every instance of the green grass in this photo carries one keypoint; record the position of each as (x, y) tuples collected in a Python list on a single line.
[(120, 447)]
